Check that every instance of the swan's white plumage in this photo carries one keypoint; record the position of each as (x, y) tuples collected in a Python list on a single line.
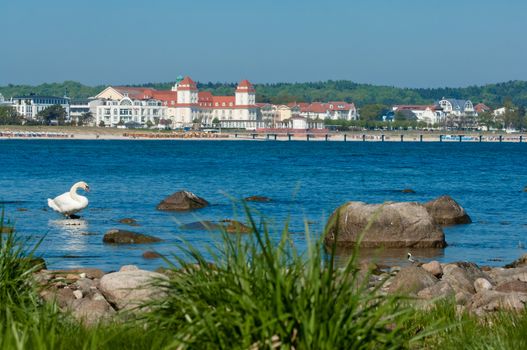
[(70, 202)]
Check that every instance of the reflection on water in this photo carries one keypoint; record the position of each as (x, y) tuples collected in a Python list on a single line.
[(70, 235), (389, 256)]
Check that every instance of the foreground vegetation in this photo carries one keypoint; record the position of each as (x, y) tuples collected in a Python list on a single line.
[(256, 293)]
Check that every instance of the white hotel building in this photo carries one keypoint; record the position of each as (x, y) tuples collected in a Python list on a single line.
[(29, 106), (182, 106)]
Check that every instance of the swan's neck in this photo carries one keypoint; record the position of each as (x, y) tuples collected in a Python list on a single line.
[(73, 192)]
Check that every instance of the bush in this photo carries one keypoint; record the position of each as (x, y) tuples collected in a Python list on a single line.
[(257, 294)]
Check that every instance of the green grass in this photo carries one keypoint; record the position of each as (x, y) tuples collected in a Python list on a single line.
[(254, 294)]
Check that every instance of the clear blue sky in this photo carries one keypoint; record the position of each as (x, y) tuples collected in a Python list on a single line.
[(412, 43)]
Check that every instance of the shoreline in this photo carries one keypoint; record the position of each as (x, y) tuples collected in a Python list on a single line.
[(79, 133)]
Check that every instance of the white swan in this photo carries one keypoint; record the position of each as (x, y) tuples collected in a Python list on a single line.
[(70, 202)]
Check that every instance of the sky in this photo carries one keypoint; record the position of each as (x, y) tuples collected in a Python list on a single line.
[(405, 43)]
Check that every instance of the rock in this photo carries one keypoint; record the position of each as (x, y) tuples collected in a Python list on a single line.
[(408, 190), (512, 286), (128, 268), (128, 237), (151, 255), (411, 280), (182, 201), (131, 288), (446, 211), (91, 311), (233, 226), (434, 267), (439, 290), (481, 284), (84, 285), (490, 300), (201, 225), (391, 225), (37, 263), (257, 199), (21, 209), (88, 272), (500, 275), (522, 261), (129, 221), (62, 296), (82, 275), (462, 275), (77, 294)]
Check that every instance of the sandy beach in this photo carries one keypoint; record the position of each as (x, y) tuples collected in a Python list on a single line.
[(93, 133)]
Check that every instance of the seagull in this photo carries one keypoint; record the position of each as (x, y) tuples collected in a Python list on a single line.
[(411, 259), (70, 202)]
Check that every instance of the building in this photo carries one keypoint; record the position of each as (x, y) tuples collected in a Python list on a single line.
[(30, 105), (458, 113), (79, 107), (182, 106), (123, 105), (335, 110), (429, 114), (482, 108)]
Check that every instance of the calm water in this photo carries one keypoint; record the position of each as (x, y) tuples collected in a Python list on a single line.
[(306, 180)]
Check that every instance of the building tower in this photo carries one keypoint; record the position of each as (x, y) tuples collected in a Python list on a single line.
[(245, 94)]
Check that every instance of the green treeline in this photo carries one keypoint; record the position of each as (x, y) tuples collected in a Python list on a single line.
[(493, 95)]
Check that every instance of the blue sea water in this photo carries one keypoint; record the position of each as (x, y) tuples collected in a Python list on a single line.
[(306, 181)]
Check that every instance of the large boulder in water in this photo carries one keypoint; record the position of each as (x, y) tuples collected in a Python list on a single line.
[(447, 211), (391, 225), (182, 201), (128, 237)]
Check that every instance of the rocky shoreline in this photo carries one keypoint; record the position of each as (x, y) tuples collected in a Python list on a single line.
[(92, 295)]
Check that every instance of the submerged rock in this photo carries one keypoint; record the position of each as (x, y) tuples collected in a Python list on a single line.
[(446, 211), (151, 255), (128, 237), (182, 201), (408, 190), (391, 225), (129, 221), (230, 226), (233, 226), (257, 199)]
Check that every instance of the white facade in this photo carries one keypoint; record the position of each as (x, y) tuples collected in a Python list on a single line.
[(80, 106), (29, 106)]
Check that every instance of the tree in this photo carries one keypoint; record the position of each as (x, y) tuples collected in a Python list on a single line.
[(372, 111), (149, 123), (102, 124), (9, 116), (55, 113), (215, 121), (486, 119), (85, 118)]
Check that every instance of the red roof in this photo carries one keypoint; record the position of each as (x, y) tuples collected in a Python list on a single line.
[(135, 93), (481, 107), (187, 84), (245, 86)]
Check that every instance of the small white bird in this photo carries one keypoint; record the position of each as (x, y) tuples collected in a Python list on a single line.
[(70, 202), (411, 259)]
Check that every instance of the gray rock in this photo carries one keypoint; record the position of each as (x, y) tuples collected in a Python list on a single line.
[(490, 300), (182, 201), (520, 262), (434, 267), (439, 290), (396, 225), (481, 284), (462, 275), (131, 288), (500, 275), (91, 311), (446, 211), (84, 285), (77, 294), (128, 237), (512, 286), (63, 297), (411, 280)]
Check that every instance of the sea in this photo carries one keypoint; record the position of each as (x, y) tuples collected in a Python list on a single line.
[(306, 182)]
